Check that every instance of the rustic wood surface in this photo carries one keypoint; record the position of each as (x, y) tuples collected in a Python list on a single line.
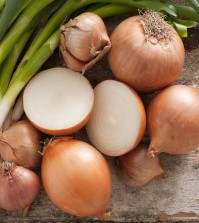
[(174, 199)]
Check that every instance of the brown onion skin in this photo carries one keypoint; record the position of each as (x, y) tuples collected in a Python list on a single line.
[(18, 189), (137, 168), (145, 66), (84, 41), (21, 144), (173, 121), (76, 177), (93, 28)]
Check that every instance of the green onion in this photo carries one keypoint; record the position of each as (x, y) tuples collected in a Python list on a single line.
[(113, 10), (11, 60), (10, 12), (20, 26), (194, 4), (2, 4)]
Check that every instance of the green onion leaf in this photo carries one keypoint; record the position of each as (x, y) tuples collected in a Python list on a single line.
[(10, 12)]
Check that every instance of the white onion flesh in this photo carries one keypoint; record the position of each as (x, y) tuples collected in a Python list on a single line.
[(118, 120), (58, 101)]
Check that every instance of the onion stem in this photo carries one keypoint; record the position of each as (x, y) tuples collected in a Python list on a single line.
[(114, 10), (194, 4), (2, 4), (10, 62), (20, 26), (10, 12), (185, 11)]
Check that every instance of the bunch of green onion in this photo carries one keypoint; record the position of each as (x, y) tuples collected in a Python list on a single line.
[(29, 34)]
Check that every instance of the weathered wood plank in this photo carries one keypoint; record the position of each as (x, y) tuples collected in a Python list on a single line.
[(175, 199)]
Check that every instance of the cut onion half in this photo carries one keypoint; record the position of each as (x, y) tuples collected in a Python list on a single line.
[(118, 120), (58, 101)]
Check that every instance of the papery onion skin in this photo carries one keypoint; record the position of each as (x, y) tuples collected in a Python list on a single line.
[(76, 177), (84, 41), (173, 121), (22, 144), (144, 65), (18, 189), (137, 168)]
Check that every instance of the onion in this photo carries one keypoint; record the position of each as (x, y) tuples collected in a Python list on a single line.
[(21, 144), (137, 168), (84, 41), (76, 177), (18, 188), (173, 120), (58, 101), (118, 121), (147, 53)]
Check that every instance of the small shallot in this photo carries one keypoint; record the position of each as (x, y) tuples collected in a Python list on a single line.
[(84, 41), (173, 120), (21, 144), (18, 188), (137, 168)]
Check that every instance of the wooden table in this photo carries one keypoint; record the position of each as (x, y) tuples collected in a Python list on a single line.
[(174, 199)]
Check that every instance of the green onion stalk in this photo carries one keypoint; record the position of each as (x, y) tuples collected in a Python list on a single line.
[(47, 40), (10, 62), (2, 4), (20, 26), (10, 12), (194, 4)]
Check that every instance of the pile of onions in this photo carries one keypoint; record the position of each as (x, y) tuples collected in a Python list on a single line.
[(147, 53), (76, 177), (173, 120), (137, 168), (21, 144), (18, 188), (118, 121), (58, 101), (84, 41)]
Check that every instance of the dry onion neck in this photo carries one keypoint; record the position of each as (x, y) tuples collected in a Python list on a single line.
[(156, 29), (6, 167)]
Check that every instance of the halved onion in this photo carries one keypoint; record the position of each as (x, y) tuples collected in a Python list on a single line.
[(58, 101), (118, 120)]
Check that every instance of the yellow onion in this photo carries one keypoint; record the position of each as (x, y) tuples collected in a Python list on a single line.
[(21, 144), (76, 177), (147, 53), (173, 121), (18, 188), (137, 168), (84, 41)]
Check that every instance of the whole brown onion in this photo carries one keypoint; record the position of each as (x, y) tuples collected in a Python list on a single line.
[(147, 53), (76, 177), (173, 120)]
